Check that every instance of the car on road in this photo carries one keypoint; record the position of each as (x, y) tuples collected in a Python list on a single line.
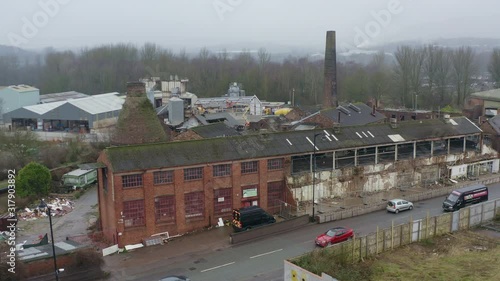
[(397, 205), (334, 235), (175, 278)]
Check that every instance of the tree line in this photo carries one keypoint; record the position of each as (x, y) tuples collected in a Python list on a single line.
[(413, 77)]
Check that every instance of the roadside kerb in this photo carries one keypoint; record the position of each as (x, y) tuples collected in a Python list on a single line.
[(358, 211), (266, 230)]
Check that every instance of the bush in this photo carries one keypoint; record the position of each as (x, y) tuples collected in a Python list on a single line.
[(33, 180)]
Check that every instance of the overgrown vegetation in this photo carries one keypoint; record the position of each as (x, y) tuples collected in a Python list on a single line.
[(460, 256), (19, 148)]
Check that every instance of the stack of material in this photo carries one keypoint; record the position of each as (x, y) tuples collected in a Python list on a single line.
[(58, 207)]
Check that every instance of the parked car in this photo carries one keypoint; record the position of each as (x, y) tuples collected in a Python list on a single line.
[(334, 235), (175, 278), (396, 205)]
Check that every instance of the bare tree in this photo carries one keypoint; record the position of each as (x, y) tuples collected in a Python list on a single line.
[(442, 73), (264, 57), (403, 71), (409, 73), (379, 82), (463, 69), (417, 62), (430, 67), (494, 67)]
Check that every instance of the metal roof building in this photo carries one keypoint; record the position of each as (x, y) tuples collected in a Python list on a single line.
[(84, 111)]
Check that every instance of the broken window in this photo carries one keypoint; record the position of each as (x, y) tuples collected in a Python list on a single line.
[(194, 204), (223, 203), (165, 208), (163, 177), (193, 174), (129, 181), (133, 213)]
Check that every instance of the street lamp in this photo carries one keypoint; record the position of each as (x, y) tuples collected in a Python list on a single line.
[(42, 206)]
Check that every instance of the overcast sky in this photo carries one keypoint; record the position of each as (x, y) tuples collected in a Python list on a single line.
[(197, 23)]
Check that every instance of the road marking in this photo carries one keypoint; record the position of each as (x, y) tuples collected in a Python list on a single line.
[(268, 253), (215, 267)]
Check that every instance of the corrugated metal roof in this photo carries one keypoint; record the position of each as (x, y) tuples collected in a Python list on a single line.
[(198, 152), (99, 103), (53, 97), (44, 107)]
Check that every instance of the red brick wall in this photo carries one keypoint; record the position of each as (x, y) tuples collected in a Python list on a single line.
[(112, 222), (107, 213)]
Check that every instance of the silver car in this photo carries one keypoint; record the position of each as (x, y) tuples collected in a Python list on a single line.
[(396, 205)]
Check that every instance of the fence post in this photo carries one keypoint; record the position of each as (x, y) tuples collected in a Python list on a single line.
[(376, 242), (482, 210), (427, 225), (411, 230), (392, 235)]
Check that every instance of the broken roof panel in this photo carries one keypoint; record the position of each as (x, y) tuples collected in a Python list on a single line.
[(198, 152)]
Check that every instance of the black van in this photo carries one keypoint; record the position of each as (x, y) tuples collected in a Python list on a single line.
[(465, 196), (249, 217)]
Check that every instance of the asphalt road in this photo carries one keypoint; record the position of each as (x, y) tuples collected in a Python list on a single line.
[(263, 260)]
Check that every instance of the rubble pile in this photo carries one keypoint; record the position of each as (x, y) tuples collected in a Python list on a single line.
[(58, 207)]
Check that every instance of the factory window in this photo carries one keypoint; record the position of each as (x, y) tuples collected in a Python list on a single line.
[(129, 181), (165, 208), (223, 203), (222, 170), (193, 174), (275, 164), (133, 213), (249, 167), (194, 204), (163, 177)]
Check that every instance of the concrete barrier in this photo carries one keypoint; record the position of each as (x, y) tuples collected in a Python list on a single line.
[(266, 230)]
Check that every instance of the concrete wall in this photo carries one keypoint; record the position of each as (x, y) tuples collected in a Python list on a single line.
[(358, 180), (339, 215), (399, 235), (266, 230)]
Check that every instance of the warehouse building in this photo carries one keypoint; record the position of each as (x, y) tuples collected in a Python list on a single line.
[(179, 187)]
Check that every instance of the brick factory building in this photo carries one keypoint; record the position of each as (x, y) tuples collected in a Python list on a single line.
[(178, 187)]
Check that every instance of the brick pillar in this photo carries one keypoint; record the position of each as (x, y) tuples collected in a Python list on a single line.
[(236, 178), (180, 212), (208, 190), (149, 203), (263, 184)]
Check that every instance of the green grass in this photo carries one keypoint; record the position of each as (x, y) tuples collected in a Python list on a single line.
[(459, 256)]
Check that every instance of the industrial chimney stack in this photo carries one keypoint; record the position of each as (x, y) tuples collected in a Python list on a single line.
[(330, 90)]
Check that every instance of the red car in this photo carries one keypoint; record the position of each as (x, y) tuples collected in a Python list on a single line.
[(334, 235)]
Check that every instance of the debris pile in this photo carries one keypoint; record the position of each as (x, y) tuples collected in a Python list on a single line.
[(58, 207)]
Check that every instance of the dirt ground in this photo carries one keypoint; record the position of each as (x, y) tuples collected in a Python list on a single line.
[(74, 223)]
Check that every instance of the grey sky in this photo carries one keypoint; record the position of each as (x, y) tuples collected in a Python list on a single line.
[(197, 23)]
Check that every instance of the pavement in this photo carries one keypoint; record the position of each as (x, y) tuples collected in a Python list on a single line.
[(197, 244)]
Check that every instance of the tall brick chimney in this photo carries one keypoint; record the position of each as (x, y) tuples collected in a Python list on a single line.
[(330, 90)]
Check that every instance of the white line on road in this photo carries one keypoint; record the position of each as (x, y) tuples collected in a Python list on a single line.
[(212, 268), (266, 253)]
